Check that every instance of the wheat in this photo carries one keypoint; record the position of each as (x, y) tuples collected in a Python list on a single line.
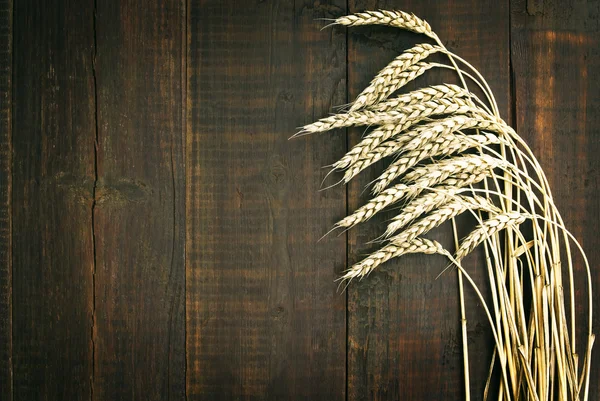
[(390, 79), (369, 144), (446, 211), (431, 133), (440, 146), (426, 203), (470, 164), (445, 91), (398, 19), (409, 141), (392, 250), (487, 230), (414, 112), (386, 198), (464, 170)]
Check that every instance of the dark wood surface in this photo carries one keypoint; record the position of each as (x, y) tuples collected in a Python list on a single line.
[(158, 231), (6, 37), (52, 185), (139, 204)]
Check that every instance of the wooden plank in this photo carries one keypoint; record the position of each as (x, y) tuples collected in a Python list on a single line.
[(6, 9), (139, 209), (404, 339), (555, 58), (53, 176), (264, 319)]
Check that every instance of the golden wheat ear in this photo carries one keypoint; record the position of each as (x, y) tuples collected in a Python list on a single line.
[(451, 153)]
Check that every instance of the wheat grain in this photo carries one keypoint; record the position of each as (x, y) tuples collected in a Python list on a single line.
[(463, 169), (387, 197), (440, 146), (419, 206), (392, 250), (398, 19), (446, 211), (421, 95), (369, 144), (470, 164), (486, 230), (414, 112), (390, 78), (447, 202)]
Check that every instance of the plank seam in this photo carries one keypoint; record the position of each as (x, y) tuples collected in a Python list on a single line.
[(94, 200), (184, 111), (347, 212)]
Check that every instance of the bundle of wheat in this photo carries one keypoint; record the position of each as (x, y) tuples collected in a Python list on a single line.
[(444, 140)]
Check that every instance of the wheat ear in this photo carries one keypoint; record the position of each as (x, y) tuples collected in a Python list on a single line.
[(414, 112), (465, 169), (381, 134), (440, 146), (392, 250), (487, 230), (424, 204), (390, 79), (398, 19)]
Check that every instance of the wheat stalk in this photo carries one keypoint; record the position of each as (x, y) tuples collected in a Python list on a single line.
[(445, 140), (444, 91)]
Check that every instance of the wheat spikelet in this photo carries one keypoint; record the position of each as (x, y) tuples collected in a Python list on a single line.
[(446, 211), (392, 250), (410, 141), (444, 91), (414, 112), (464, 170), (486, 230), (437, 199), (386, 198), (440, 146), (470, 164), (398, 19), (390, 79), (369, 144)]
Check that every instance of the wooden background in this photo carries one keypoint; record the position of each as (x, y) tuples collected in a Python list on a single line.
[(158, 230)]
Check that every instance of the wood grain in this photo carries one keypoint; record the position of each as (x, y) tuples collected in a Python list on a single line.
[(264, 320), (139, 335), (158, 231), (53, 175), (6, 37), (404, 335), (556, 63)]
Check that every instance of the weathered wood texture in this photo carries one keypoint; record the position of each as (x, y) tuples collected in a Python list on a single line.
[(6, 36), (52, 184), (139, 332), (404, 335), (158, 231), (264, 319), (555, 53)]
